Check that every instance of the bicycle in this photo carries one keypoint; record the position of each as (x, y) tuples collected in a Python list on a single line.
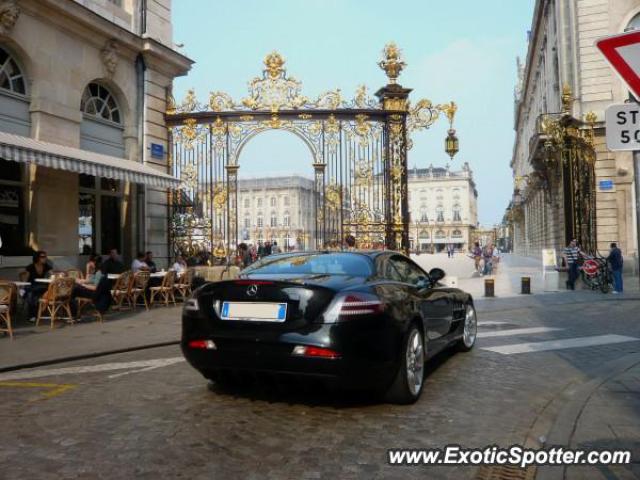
[(596, 273)]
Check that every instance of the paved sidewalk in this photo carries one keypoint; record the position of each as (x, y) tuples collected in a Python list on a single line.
[(601, 414), (120, 331)]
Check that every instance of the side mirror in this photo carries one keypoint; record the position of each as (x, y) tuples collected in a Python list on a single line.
[(436, 274)]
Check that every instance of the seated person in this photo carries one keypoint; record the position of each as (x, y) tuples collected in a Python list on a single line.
[(38, 268), (113, 263), (90, 268), (181, 265), (139, 264), (98, 290), (148, 259)]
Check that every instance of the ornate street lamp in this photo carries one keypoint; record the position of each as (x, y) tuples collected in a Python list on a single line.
[(451, 143)]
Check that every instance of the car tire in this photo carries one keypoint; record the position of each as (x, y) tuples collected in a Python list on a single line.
[(409, 380), (469, 330)]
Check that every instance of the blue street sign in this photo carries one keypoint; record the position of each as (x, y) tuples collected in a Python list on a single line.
[(606, 184), (157, 150)]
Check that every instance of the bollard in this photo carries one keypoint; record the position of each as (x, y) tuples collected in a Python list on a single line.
[(488, 287), (525, 285)]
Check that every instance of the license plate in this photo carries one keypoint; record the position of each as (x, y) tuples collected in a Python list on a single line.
[(254, 311)]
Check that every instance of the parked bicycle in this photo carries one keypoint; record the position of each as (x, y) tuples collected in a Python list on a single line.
[(596, 273)]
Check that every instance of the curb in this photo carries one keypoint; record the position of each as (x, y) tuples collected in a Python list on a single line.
[(55, 361), (566, 422)]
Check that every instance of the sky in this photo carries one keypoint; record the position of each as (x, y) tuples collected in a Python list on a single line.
[(461, 50)]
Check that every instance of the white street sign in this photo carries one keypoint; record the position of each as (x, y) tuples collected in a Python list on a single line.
[(623, 126)]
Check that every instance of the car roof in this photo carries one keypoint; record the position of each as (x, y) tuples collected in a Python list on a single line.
[(368, 253)]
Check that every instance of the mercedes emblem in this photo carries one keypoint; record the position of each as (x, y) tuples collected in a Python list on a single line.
[(252, 290)]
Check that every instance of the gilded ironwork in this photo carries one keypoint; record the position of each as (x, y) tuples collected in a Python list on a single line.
[(392, 62), (358, 148)]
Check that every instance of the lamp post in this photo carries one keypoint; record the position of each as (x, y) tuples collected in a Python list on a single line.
[(451, 142)]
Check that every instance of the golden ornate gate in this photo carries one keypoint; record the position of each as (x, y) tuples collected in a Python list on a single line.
[(359, 149)]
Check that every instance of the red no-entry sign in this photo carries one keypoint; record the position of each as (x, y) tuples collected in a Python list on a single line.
[(623, 53)]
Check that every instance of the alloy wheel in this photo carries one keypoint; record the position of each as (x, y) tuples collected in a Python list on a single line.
[(415, 361), (470, 327)]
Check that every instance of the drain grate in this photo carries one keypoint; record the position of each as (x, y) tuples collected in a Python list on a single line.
[(505, 472)]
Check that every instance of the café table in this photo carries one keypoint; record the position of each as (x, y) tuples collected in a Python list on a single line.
[(158, 274), (44, 280), (113, 276)]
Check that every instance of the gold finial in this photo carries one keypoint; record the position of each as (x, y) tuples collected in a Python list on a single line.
[(591, 117), (449, 109), (392, 62), (274, 65), (567, 98)]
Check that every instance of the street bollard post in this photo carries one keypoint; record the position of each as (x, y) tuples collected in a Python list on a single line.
[(488, 287), (525, 285)]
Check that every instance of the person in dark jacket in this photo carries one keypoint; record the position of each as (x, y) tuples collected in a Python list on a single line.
[(113, 263), (38, 268), (615, 261)]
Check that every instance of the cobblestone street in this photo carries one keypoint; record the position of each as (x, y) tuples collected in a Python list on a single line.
[(147, 414)]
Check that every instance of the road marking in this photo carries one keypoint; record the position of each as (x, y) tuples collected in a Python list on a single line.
[(560, 344), (105, 367), (54, 389), (490, 323), (516, 331)]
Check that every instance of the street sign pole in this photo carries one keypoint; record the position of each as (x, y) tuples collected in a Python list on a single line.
[(636, 182)]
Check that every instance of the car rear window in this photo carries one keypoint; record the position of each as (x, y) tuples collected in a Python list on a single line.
[(321, 263)]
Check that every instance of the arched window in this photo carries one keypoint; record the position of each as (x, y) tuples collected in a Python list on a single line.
[(456, 234), (424, 234), (247, 202), (274, 219), (11, 77), (634, 24), (99, 102), (440, 234), (285, 219)]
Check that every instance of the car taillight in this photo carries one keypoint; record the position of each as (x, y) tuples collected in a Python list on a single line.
[(353, 306), (317, 352), (202, 344)]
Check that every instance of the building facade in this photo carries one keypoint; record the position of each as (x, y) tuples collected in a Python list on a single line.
[(83, 142), (560, 159), (443, 206), (277, 209)]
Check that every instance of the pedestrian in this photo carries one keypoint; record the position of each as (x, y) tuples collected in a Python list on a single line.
[(615, 260), (275, 248), (571, 254), (448, 251), (267, 249), (260, 249), (476, 254), (39, 268), (487, 256), (245, 255), (350, 241)]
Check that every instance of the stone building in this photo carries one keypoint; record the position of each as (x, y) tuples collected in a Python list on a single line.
[(560, 163), (277, 209), (443, 206), (83, 142)]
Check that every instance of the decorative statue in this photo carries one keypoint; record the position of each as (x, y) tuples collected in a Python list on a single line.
[(9, 13)]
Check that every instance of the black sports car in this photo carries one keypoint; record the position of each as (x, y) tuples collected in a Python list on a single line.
[(354, 319)]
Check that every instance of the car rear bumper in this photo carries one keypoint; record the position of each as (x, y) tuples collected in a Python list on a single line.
[(368, 358)]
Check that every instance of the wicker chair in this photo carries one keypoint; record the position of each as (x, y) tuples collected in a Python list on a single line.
[(165, 290), (57, 273), (139, 286), (183, 283), (7, 293), (57, 298), (74, 273), (121, 290)]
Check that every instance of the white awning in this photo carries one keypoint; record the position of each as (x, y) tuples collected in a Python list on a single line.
[(46, 154)]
